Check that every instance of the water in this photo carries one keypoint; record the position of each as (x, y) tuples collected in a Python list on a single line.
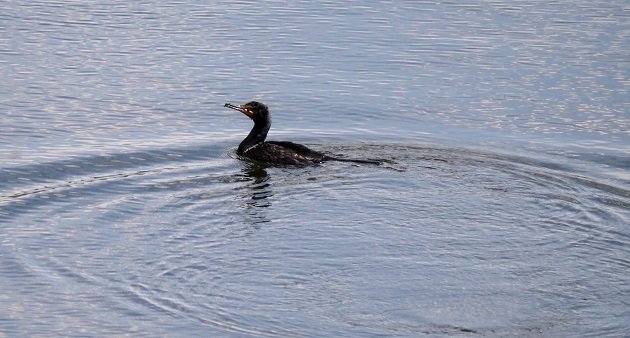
[(502, 209)]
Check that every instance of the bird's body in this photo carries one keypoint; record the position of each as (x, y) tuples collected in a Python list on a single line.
[(283, 152), (256, 148)]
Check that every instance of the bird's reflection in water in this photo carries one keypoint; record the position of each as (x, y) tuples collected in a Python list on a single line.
[(258, 194)]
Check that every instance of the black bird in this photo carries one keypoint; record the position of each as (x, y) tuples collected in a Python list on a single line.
[(256, 148)]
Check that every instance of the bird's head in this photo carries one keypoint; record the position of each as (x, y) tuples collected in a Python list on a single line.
[(254, 110)]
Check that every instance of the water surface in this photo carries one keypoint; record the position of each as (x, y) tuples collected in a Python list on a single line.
[(502, 208)]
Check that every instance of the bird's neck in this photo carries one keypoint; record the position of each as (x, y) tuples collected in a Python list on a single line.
[(255, 136)]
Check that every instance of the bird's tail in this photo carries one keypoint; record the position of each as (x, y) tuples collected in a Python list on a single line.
[(352, 160)]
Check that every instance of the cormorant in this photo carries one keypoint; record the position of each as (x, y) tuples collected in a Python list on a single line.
[(256, 148)]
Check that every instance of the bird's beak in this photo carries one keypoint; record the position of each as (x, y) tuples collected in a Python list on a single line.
[(243, 108)]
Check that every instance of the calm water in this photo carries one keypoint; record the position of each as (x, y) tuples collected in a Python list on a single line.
[(503, 209)]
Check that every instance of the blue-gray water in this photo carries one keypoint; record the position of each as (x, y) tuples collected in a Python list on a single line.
[(503, 209)]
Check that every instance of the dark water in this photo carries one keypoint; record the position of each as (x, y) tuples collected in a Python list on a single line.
[(503, 209)]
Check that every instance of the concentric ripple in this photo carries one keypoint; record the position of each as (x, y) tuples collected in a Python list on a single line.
[(438, 241)]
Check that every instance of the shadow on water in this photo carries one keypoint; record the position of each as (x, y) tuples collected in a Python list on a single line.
[(258, 193)]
